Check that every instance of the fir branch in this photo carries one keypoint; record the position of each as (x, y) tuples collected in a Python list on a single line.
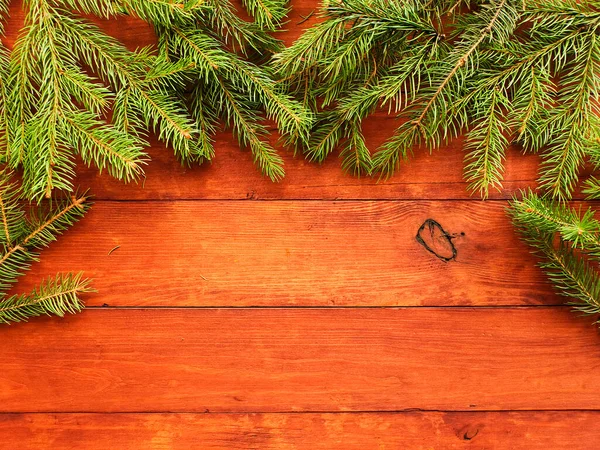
[(573, 120), (4, 7), (24, 75), (268, 14), (141, 101), (5, 116), (393, 90), (530, 106), (237, 87), (222, 21), (592, 188), (21, 239), (56, 296), (292, 118), (206, 117), (93, 96), (248, 130), (10, 212), (107, 147), (38, 232), (50, 87), (580, 229), (296, 62), (356, 158), (347, 48), (461, 62), (487, 144), (432, 120), (570, 273), (328, 132)]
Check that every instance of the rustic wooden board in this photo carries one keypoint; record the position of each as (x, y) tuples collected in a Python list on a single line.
[(228, 378), (573, 430), (315, 253), (282, 360), (232, 175)]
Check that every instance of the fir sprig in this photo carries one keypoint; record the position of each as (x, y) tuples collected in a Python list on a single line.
[(22, 237), (343, 58), (542, 222), (59, 108), (499, 71), (58, 296), (238, 90)]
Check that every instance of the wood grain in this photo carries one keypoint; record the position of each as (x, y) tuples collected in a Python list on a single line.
[(232, 175), (265, 378), (314, 253), (282, 360), (573, 430)]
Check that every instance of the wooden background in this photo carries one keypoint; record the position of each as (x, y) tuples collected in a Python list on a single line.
[(241, 314)]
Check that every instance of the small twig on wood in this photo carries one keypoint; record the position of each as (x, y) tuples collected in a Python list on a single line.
[(113, 249)]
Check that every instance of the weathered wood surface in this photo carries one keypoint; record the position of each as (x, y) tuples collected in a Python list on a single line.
[(310, 253), (573, 430), (232, 175), (340, 377), (282, 360)]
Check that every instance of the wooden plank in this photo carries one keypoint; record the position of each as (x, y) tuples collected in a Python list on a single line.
[(283, 360), (343, 431), (232, 175), (296, 253)]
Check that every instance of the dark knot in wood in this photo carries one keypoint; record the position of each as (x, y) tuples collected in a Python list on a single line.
[(437, 241)]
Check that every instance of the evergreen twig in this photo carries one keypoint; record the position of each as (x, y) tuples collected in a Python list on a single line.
[(21, 239), (541, 222), (52, 107), (500, 71)]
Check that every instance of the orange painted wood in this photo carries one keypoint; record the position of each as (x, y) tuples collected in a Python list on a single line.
[(318, 253), (282, 360), (342, 431), (263, 378), (232, 175)]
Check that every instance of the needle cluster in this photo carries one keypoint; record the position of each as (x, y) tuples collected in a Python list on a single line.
[(67, 88), (503, 72), (22, 237), (568, 242)]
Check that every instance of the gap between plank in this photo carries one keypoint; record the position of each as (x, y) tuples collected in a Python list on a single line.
[(374, 411), (305, 307)]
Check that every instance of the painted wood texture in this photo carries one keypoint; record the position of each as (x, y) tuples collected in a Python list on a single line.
[(315, 253), (173, 363), (573, 430), (282, 360), (232, 175)]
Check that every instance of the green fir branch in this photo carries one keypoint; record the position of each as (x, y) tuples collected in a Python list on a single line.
[(56, 296), (430, 115), (579, 228), (22, 236), (539, 221)]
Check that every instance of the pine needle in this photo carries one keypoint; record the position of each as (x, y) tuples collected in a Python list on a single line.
[(22, 237)]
